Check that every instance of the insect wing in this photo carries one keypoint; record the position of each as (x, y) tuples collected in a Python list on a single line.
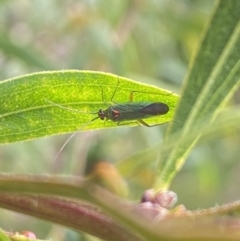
[(138, 110), (156, 108)]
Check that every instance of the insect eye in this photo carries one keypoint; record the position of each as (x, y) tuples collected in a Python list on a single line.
[(101, 114)]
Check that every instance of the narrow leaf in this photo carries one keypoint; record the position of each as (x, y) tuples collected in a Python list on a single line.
[(57, 102), (213, 77)]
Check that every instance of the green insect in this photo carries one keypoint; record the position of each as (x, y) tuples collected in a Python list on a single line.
[(132, 111), (122, 112), (127, 111)]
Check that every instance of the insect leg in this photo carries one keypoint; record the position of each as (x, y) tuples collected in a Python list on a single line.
[(139, 122), (131, 94), (146, 124), (119, 123), (112, 94)]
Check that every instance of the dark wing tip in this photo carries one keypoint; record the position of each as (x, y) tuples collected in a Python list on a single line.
[(166, 108)]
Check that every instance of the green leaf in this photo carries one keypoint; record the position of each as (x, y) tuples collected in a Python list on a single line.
[(56, 102), (227, 121), (213, 77), (3, 236)]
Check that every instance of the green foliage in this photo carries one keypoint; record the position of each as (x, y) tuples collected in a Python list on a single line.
[(212, 80), (3, 236), (49, 103), (31, 105)]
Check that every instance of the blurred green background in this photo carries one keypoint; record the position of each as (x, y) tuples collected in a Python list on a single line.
[(149, 41)]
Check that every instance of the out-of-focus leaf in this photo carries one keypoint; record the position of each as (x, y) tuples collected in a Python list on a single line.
[(29, 56), (213, 77)]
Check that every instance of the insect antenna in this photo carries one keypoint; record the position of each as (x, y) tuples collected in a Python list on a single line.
[(67, 108), (115, 90), (70, 137), (100, 114)]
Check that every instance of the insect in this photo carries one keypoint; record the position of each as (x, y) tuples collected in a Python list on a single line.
[(122, 112), (127, 111), (131, 111)]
